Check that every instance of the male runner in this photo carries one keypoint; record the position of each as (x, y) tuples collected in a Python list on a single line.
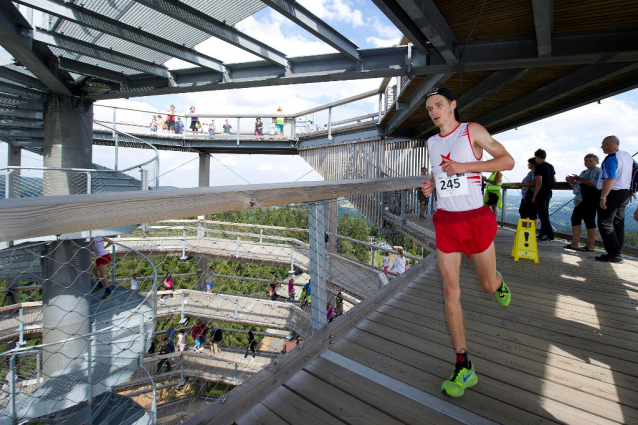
[(461, 222)]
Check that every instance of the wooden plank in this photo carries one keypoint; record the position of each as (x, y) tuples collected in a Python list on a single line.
[(556, 377), (343, 406), (530, 347), (415, 371), (501, 384), (22, 218), (390, 403), (292, 408), (246, 396), (260, 415)]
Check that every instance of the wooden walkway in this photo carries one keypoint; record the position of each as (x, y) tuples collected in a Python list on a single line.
[(564, 351)]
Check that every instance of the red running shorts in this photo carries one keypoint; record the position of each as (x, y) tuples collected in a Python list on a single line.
[(105, 259), (471, 232)]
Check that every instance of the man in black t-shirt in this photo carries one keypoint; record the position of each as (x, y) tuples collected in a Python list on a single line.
[(545, 178)]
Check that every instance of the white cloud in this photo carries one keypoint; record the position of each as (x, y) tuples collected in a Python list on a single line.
[(228, 161), (335, 10), (265, 167), (382, 42)]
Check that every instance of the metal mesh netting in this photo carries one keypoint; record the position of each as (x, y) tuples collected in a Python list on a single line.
[(214, 317)]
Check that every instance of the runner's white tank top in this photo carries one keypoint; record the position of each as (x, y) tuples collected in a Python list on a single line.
[(456, 146), (98, 247)]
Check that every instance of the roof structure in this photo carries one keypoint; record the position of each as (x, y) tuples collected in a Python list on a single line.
[(509, 62)]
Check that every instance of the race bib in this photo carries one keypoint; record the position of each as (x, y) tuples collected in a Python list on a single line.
[(454, 185)]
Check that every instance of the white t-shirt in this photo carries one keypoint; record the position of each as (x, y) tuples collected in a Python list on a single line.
[(98, 247), (209, 276), (398, 265), (618, 166), (134, 285), (273, 128), (180, 338), (386, 261)]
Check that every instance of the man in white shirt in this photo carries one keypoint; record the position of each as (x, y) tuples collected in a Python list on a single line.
[(134, 283), (208, 278), (614, 182)]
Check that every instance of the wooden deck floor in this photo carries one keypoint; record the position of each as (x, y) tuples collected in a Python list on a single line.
[(564, 351)]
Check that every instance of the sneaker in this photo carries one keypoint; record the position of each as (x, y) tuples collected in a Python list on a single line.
[(607, 259), (421, 216), (98, 287), (461, 379), (503, 296), (107, 293)]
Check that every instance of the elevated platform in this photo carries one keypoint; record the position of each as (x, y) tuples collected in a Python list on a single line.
[(564, 351)]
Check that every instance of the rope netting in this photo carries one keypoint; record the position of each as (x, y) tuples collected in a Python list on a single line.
[(235, 292)]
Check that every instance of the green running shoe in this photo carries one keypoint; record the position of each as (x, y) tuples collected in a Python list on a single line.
[(461, 379), (503, 295)]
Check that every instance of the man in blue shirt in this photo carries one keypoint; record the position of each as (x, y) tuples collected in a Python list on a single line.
[(614, 182)]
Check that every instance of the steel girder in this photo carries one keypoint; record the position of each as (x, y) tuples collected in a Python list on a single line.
[(544, 25)]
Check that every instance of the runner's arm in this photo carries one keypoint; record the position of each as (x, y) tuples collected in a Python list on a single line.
[(501, 159)]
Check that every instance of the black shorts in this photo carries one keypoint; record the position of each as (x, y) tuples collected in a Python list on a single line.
[(492, 198), (585, 211), (194, 125), (527, 211), (420, 196), (170, 124)]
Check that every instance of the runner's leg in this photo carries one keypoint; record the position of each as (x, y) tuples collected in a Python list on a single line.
[(450, 265), (102, 275), (485, 264)]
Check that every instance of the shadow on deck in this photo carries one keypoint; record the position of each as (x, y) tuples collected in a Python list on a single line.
[(564, 351)]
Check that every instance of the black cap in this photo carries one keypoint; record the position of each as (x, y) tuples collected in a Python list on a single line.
[(446, 93)]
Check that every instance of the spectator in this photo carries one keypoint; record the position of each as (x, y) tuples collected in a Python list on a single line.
[(527, 210), (325, 127), (329, 316), (272, 128), (181, 341), (153, 125), (310, 127), (198, 334), (280, 122), (151, 349), (170, 119), (492, 197), (179, 126), (170, 333), (208, 278), (251, 344), (161, 124), (216, 337), (102, 258), (291, 290), (259, 128), (166, 348), (212, 128), (420, 197), (545, 179), (167, 284), (134, 283), (386, 262), (306, 295), (227, 127), (339, 305), (586, 201), (614, 182), (195, 124), (398, 265)]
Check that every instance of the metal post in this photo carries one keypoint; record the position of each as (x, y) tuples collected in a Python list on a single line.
[(290, 321), (236, 307), (238, 131), (330, 123), (237, 251), (157, 173), (380, 105), (404, 201), (143, 335), (144, 183), (89, 183), (89, 374), (21, 328), (115, 138), (261, 235), (114, 264), (12, 388), (503, 210), (292, 258), (235, 375), (184, 243), (317, 242), (7, 184), (183, 319), (37, 370), (374, 251)]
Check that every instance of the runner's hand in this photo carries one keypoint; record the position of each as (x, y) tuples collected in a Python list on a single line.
[(427, 188), (453, 167)]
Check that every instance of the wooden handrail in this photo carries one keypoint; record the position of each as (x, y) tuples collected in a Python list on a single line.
[(22, 218)]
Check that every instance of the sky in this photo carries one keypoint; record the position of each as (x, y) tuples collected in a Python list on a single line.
[(566, 137)]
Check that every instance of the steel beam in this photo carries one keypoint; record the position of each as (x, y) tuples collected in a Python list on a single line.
[(416, 100), (492, 55), (91, 50), (478, 93), (88, 18), (10, 74), (20, 124), (17, 102), (429, 20), (302, 17), (21, 114), (28, 133), (578, 80), (584, 99), (92, 70), (402, 21), (211, 26), (22, 91), (14, 30), (544, 25)]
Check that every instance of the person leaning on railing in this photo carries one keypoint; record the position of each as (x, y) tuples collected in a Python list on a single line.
[(527, 209), (492, 196), (585, 203)]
